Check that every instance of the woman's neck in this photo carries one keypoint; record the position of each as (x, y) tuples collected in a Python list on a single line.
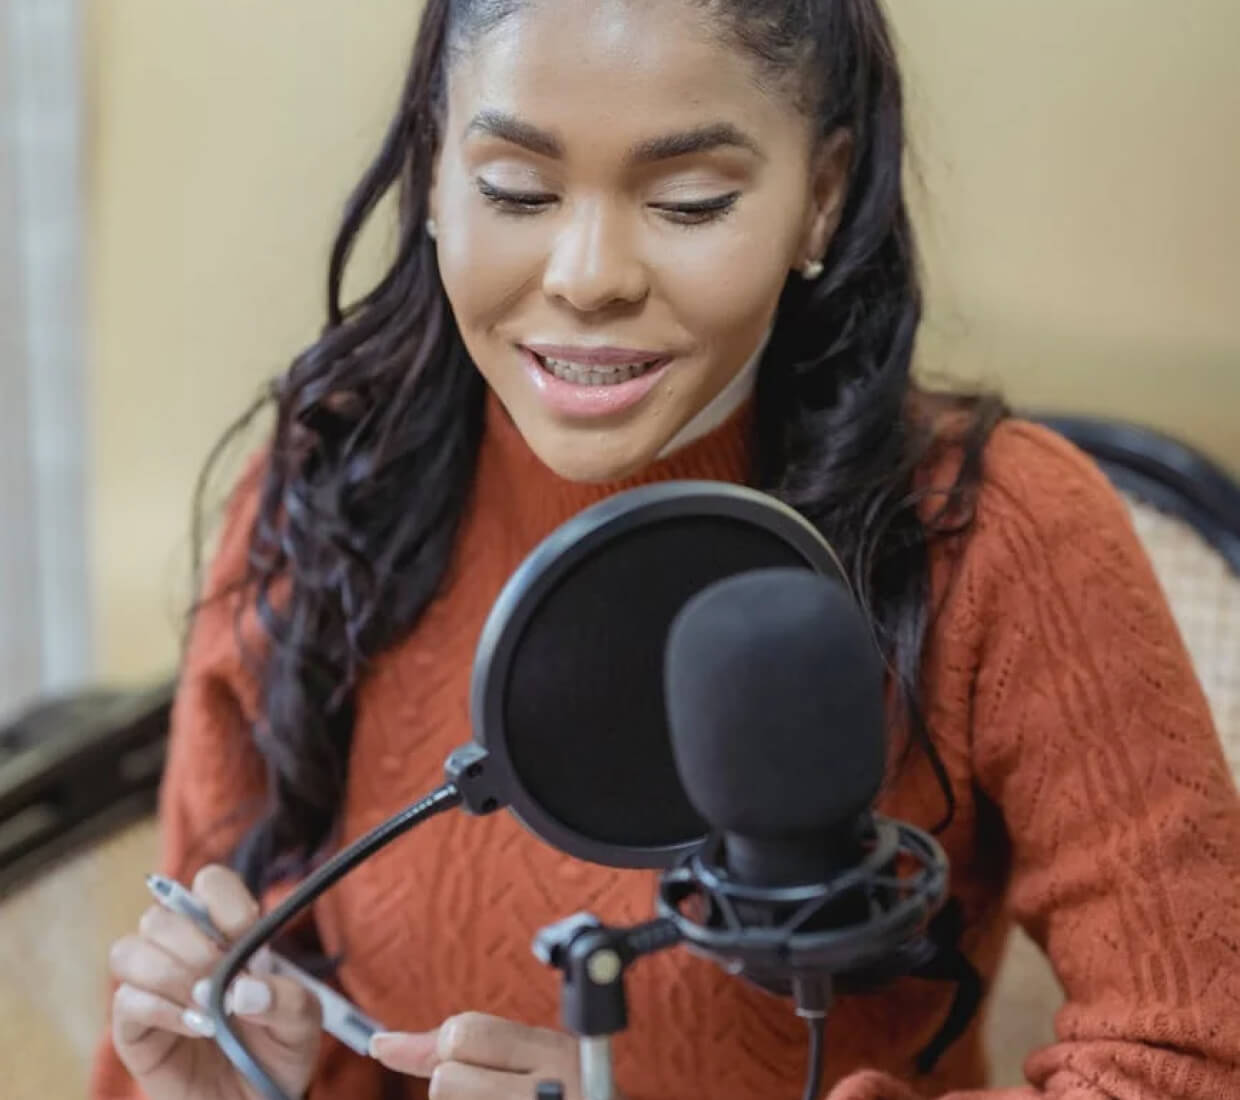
[(525, 500)]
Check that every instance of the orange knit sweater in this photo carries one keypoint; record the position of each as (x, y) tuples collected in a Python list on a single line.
[(1094, 807)]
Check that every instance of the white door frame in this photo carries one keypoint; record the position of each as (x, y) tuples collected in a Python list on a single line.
[(45, 622)]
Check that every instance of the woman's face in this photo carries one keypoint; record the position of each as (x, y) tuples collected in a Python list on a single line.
[(619, 200)]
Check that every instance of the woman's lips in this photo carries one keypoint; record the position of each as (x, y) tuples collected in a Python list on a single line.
[(585, 401), (596, 356)]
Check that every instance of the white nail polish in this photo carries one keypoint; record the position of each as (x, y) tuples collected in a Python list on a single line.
[(201, 990), (250, 997), (376, 1040), (198, 1023)]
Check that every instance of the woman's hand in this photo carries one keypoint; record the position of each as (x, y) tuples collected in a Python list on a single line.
[(479, 1057), (159, 1028)]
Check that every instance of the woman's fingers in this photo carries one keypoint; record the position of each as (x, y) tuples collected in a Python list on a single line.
[(230, 904), (158, 967), (136, 961), (159, 1007), (407, 1052), (494, 1042), (457, 1081), (179, 938), (286, 1009), (135, 1012), (477, 1041)]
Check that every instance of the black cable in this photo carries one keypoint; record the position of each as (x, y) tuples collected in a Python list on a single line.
[(817, 1056), (445, 798)]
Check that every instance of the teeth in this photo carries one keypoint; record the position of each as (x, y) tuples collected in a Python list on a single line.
[(593, 375)]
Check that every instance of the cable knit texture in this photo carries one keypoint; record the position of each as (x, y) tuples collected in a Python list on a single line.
[(1094, 807)]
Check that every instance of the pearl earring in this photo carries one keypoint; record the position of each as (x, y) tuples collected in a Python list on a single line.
[(432, 229), (812, 270)]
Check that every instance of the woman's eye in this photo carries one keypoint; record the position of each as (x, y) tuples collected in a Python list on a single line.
[(700, 212), (514, 202), (524, 203)]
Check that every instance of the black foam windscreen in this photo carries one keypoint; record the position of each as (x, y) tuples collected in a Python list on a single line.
[(776, 704), (568, 688)]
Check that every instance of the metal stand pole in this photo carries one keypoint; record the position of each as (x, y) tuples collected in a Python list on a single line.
[(598, 1079)]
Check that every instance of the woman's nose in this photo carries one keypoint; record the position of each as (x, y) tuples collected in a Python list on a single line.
[(593, 264)]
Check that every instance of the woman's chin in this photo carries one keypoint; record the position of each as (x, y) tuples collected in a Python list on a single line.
[(590, 457), (587, 471)]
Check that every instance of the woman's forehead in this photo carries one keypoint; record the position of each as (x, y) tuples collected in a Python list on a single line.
[(613, 71)]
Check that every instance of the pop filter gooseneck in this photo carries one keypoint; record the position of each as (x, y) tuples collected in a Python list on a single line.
[(570, 730)]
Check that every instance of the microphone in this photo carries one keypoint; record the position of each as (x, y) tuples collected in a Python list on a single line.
[(775, 698), (774, 689)]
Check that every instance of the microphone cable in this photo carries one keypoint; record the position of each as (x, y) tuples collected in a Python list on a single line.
[(817, 1056)]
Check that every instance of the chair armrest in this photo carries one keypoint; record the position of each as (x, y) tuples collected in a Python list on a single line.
[(74, 768)]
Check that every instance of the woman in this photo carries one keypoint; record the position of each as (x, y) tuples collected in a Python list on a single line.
[(649, 239)]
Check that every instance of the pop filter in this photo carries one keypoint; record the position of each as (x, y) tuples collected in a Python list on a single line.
[(567, 695)]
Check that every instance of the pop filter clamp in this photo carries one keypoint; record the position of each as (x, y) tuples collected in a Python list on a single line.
[(593, 959)]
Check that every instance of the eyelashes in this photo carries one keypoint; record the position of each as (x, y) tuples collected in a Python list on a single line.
[(524, 204), (521, 203), (700, 212)]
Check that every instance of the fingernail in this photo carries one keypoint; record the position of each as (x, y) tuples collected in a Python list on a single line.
[(262, 962), (197, 1022), (412, 1052), (201, 994), (250, 997)]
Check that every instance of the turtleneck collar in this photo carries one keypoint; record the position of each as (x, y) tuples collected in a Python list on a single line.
[(530, 500)]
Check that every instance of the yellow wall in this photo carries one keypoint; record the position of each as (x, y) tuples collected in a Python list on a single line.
[(1081, 167), (225, 134), (1079, 173)]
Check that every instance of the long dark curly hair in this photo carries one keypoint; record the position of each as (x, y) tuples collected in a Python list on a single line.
[(377, 424)]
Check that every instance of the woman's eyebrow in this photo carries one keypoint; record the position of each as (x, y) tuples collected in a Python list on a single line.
[(701, 139), (513, 130)]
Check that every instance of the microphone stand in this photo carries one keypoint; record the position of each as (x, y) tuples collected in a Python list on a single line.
[(593, 959)]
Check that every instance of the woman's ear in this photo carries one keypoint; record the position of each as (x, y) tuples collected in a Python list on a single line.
[(831, 169), (432, 198)]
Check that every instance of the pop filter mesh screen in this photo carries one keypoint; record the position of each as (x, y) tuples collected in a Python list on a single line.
[(584, 715)]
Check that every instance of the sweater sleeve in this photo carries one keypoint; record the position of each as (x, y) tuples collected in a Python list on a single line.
[(1093, 739), (213, 783)]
